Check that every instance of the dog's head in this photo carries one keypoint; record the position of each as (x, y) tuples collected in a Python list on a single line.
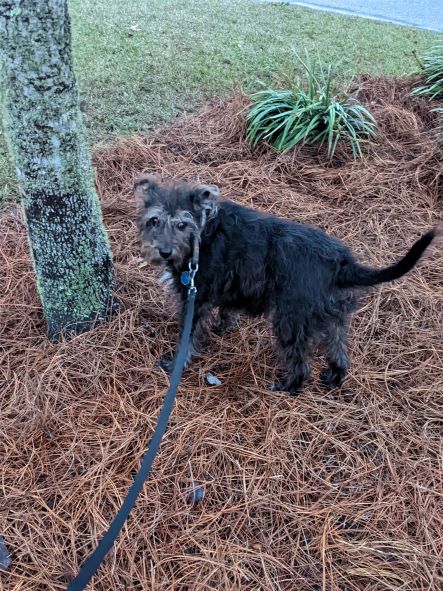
[(170, 216)]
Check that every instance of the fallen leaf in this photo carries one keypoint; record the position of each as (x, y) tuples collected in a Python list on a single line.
[(212, 380)]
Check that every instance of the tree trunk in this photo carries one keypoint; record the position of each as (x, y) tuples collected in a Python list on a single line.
[(45, 134)]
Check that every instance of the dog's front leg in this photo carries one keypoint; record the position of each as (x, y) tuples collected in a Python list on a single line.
[(224, 321), (199, 327)]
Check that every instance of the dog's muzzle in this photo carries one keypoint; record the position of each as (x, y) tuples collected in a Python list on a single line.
[(165, 253)]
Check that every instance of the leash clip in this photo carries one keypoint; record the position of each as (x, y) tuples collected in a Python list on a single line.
[(187, 277), (193, 268)]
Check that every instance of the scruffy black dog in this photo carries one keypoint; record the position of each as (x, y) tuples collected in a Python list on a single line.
[(299, 277)]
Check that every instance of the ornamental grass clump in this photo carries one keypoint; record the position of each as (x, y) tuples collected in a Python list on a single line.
[(309, 112), (432, 66)]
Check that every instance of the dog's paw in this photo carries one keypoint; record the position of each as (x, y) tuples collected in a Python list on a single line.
[(218, 329), (277, 387), (332, 377), (166, 363), (221, 327), (280, 387), (224, 322)]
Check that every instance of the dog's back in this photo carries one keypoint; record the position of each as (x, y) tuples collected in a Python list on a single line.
[(286, 250), (253, 258)]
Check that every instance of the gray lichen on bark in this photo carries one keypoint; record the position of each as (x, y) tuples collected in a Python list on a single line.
[(45, 134)]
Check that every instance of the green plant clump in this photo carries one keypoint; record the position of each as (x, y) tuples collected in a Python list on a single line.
[(310, 112), (439, 111), (433, 74)]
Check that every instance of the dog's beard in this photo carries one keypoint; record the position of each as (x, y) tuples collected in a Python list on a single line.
[(152, 256), (177, 258)]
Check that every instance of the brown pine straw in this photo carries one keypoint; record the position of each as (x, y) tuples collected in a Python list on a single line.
[(323, 492)]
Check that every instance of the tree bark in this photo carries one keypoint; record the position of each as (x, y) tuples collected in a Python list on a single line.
[(45, 135)]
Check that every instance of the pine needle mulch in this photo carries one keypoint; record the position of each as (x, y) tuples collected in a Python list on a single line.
[(336, 491)]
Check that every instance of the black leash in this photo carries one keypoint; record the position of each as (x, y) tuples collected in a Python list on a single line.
[(92, 564)]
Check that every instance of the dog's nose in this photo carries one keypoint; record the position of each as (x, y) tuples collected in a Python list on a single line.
[(165, 252)]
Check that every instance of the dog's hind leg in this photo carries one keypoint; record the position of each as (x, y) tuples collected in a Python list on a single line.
[(336, 355), (297, 367), (293, 342)]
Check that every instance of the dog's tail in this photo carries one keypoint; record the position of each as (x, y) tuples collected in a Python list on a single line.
[(356, 275)]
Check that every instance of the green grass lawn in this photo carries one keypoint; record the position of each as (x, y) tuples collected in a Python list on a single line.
[(140, 63)]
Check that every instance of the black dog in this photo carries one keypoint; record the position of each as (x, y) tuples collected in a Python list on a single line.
[(299, 277)]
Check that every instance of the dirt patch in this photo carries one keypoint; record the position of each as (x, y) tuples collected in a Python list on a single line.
[(325, 491)]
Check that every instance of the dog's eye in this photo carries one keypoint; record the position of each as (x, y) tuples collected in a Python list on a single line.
[(181, 225), (152, 222)]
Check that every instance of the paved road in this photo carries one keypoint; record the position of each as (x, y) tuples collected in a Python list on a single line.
[(424, 14)]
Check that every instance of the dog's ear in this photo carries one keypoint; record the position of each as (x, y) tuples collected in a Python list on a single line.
[(144, 188), (204, 198)]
